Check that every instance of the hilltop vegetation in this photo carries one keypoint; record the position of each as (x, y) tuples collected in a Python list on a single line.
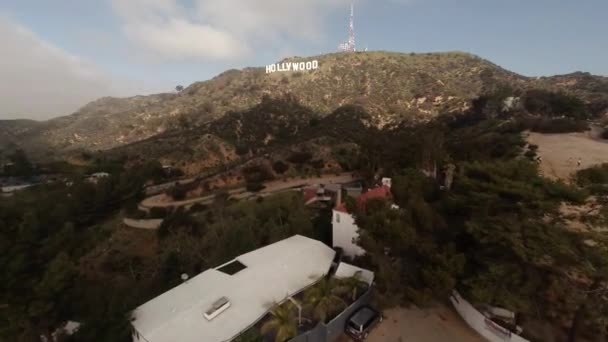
[(392, 87)]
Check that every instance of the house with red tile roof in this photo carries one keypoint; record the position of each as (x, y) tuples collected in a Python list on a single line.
[(344, 230)]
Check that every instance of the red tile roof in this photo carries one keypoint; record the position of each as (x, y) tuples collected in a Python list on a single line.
[(309, 193), (379, 192), (341, 208)]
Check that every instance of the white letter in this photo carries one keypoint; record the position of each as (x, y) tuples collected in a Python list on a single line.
[(288, 66), (308, 65), (302, 66), (268, 69), (296, 67), (273, 68), (315, 64)]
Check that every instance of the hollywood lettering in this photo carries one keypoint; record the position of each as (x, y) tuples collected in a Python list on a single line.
[(292, 66)]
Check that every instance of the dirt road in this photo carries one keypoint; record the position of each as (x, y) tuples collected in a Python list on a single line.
[(560, 152), (438, 324), (241, 193)]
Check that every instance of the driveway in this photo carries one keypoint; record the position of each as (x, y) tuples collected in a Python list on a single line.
[(438, 324)]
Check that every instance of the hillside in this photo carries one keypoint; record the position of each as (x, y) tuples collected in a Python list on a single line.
[(392, 87)]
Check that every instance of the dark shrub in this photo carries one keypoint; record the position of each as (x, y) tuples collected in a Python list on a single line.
[(177, 192), (255, 187), (544, 102), (197, 207), (163, 230), (560, 125), (318, 163), (257, 173), (604, 134), (594, 175), (280, 167), (158, 212), (241, 150), (314, 122), (299, 157), (530, 154)]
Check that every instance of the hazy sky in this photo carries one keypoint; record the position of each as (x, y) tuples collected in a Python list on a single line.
[(57, 55)]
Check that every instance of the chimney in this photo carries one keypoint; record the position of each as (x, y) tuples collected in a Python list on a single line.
[(339, 196)]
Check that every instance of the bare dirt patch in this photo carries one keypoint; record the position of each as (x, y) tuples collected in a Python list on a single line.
[(560, 152), (438, 324)]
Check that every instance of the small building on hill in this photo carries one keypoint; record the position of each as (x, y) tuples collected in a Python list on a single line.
[(95, 177), (344, 229)]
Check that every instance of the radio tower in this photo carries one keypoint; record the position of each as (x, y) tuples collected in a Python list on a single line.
[(350, 46)]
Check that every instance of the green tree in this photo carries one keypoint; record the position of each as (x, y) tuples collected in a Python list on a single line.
[(351, 286), (21, 165), (282, 322), (324, 300), (53, 291)]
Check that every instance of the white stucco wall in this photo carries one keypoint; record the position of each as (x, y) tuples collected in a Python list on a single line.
[(344, 232), (479, 323)]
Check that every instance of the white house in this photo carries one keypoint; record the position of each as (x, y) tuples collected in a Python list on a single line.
[(344, 230), (95, 177), (221, 303)]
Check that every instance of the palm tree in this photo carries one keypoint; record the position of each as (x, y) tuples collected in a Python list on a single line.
[(351, 285), (324, 300), (282, 322)]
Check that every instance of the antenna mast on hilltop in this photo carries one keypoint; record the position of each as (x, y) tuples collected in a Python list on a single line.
[(350, 46)]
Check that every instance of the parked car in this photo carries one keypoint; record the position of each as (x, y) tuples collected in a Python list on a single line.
[(361, 322)]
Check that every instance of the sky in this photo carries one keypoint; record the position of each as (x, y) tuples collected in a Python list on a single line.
[(58, 55)]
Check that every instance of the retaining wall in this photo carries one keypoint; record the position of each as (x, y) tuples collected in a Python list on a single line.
[(480, 323)]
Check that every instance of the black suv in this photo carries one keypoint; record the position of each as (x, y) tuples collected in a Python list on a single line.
[(361, 322)]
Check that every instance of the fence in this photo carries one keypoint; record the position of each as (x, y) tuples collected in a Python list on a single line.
[(480, 323), (330, 331)]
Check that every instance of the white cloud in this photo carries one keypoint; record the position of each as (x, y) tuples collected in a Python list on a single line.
[(40, 81), (220, 29)]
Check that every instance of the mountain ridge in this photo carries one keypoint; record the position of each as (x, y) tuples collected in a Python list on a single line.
[(392, 87)]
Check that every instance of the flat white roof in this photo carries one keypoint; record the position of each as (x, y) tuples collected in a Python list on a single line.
[(345, 270), (273, 273)]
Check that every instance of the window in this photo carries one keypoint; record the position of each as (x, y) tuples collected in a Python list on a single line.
[(232, 268), (354, 326), (337, 218)]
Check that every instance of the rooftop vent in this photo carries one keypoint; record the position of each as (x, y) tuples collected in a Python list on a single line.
[(217, 308)]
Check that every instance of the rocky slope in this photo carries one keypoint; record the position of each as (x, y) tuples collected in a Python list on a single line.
[(392, 87)]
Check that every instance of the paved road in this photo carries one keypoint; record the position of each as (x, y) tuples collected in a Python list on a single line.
[(241, 193), (151, 224), (429, 325)]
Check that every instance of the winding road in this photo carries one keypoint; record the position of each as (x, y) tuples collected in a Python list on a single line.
[(271, 188)]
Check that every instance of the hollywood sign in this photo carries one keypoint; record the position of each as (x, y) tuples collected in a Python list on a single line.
[(295, 66)]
